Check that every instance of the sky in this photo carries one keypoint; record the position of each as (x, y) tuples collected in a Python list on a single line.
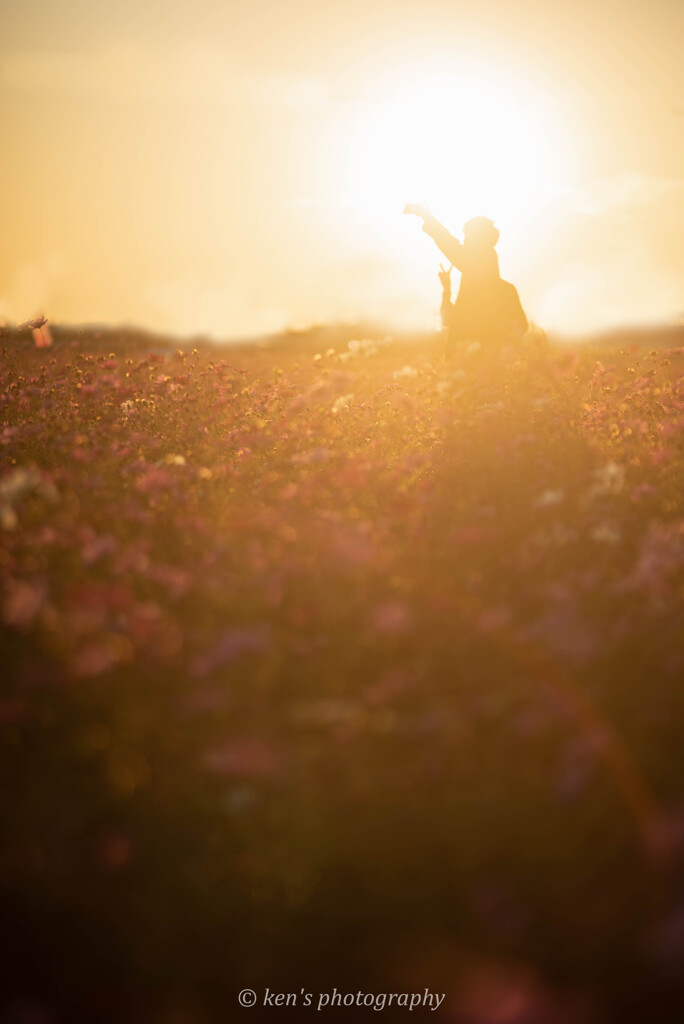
[(233, 169)]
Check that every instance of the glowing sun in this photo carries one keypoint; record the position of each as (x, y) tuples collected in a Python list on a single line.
[(461, 145)]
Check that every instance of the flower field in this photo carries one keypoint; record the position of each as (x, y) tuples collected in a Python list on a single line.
[(342, 668)]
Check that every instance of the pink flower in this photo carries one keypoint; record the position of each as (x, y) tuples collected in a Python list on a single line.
[(234, 643), (23, 602), (391, 617)]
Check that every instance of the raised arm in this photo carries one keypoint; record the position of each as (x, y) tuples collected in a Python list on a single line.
[(450, 246)]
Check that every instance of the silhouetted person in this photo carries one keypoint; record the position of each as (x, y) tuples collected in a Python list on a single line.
[(487, 309)]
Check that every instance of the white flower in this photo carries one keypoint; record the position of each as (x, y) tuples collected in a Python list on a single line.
[(18, 483), (22, 481), (406, 372), (315, 455), (359, 347), (550, 498), (605, 534), (343, 402), (609, 479)]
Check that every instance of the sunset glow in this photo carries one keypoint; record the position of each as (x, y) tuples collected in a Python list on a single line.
[(218, 173), (460, 144)]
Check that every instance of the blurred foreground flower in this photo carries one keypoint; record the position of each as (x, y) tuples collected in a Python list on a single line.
[(113, 850), (391, 617), (550, 498), (232, 644), (608, 479), (23, 601), (315, 455), (18, 484), (605, 534), (243, 756), (356, 347), (343, 402)]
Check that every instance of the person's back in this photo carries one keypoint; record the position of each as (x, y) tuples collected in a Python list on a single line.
[(491, 314), (512, 319)]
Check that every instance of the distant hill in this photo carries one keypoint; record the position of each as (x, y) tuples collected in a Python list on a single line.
[(320, 337), (662, 336)]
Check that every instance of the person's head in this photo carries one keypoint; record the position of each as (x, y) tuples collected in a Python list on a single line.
[(480, 231)]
